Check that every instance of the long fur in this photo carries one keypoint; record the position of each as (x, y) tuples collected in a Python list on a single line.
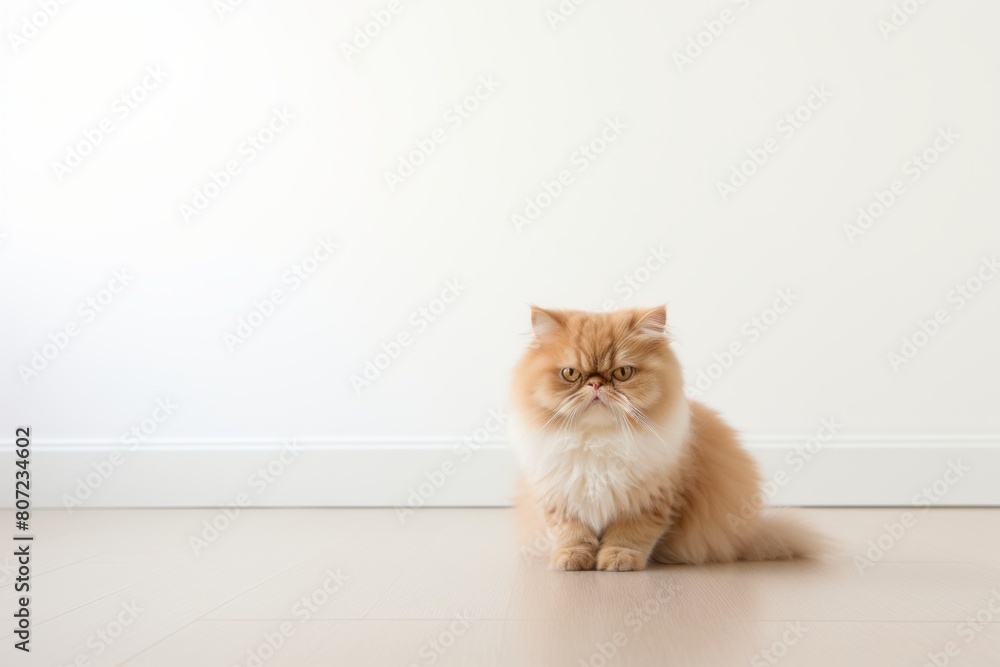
[(618, 472)]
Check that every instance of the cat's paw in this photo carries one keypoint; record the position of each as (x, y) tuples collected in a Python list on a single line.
[(620, 559), (573, 558)]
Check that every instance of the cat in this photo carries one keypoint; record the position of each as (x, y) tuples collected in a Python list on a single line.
[(619, 465)]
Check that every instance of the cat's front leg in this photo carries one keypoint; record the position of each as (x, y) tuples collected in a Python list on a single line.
[(628, 541), (574, 544)]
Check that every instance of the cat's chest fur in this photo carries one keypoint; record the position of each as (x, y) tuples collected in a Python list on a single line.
[(597, 477)]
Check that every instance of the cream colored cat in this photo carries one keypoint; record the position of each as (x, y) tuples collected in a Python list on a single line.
[(619, 465)]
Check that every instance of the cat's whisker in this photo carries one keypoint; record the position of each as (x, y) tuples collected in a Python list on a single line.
[(648, 423), (625, 428), (644, 421), (643, 418), (563, 407)]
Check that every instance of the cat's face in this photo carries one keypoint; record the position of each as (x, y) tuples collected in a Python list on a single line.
[(597, 371)]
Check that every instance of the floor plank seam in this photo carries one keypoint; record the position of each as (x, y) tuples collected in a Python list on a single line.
[(402, 571)]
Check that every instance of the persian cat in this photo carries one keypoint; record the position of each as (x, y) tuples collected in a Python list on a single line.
[(618, 465)]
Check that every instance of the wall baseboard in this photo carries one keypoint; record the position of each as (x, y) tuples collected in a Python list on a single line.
[(940, 470)]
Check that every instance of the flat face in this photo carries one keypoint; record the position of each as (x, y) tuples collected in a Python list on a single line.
[(598, 371)]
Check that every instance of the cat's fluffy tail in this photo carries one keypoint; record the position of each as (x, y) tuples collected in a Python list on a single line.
[(718, 521), (773, 535), (769, 535)]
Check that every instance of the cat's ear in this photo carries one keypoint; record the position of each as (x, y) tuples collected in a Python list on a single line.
[(544, 322), (653, 321)]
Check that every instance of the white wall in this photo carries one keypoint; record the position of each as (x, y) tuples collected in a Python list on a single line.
[(656, 186)]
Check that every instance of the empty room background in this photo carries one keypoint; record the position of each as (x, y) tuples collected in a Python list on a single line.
[(303, 238)]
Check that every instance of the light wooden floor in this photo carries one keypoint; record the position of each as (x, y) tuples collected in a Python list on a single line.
[(448, 587)]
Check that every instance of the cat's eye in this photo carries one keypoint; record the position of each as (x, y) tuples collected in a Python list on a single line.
[(623, 373), (570, 374)]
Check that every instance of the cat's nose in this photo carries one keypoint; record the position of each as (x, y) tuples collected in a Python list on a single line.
[(596, 384)]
